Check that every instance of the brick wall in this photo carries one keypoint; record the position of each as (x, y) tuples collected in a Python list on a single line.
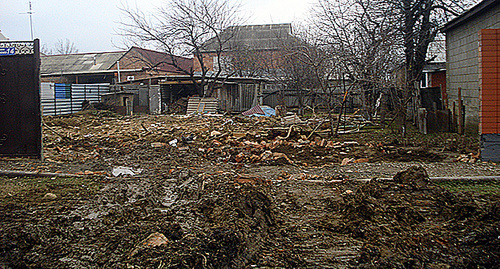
[(257, 60), (489, 63)]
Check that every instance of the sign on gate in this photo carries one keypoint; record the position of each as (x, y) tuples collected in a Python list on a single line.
[(7, 51), (20, 115)]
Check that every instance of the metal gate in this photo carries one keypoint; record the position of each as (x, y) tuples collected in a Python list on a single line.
[(20, 117)]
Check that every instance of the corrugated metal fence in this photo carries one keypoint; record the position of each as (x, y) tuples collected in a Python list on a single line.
[(59, 99)]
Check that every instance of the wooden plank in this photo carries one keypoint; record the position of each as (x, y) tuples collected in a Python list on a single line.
[(202, 105)]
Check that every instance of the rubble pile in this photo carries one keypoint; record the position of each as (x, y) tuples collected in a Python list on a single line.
[(100, 142)]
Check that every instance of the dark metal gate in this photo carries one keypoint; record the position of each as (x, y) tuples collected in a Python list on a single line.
[(20, 116)]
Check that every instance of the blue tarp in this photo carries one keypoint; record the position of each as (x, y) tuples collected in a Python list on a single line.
[(260, 111)]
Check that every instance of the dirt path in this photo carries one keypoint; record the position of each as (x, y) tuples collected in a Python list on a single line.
[(303, 209)]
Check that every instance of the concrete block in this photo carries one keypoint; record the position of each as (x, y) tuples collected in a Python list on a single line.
[(490, 147)]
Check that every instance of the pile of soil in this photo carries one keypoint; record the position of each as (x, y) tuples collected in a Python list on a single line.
[(208, 224), (412, 223), (223, 221)]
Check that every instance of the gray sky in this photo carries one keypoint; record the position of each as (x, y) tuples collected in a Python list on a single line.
[(93, 24)]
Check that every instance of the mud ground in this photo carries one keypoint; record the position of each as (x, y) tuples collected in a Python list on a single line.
[(246, 193)]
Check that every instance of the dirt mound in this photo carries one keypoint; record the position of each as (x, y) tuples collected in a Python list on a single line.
[(410, 222), (238, 192), (414, 175), (206, 223)]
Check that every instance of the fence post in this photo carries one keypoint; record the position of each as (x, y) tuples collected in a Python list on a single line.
[(460, 123), (55, 100), (71, 98)]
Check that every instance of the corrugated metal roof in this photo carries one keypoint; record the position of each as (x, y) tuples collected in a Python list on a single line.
[(79, 63), (87, 63), (473, 12), (259, 37)]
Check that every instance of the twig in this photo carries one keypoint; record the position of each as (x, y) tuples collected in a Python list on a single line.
[(54, 131), (8, 173), (289, 132), (315, 129)]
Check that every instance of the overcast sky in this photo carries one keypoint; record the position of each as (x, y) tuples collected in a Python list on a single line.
[(93, 24)]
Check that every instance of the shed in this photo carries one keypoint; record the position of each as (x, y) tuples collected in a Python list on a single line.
[(122, 102)]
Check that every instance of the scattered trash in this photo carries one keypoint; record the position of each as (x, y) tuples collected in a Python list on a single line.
[(155, 240), (293, 119), (50, 196), (125, 171), (347, 161), (188, 139), (468, 158), (258, 111), (362, 160), (215, 133), (173, 143), (158, 145), (169, 198)]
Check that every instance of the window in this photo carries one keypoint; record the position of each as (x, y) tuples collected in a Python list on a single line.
[(425, 82)]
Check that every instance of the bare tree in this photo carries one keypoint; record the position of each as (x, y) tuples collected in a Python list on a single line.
[(302, 66), (65, 47), (310, 68), (376, 38), (187, 28), (62, 47), (45, 50), (420, 23), (361, 36)]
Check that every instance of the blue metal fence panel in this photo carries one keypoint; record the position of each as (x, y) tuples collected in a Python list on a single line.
[(60, 99)]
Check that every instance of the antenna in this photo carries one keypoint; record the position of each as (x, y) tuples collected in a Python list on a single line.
[(30, 12)]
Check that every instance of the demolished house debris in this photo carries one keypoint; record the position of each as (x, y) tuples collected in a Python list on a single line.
[(239, 191), (149, 190)]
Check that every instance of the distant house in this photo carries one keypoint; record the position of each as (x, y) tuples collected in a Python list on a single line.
[(250, 61), (251, 50), (82, 68), (111, 67), (434, 79), (472, 45), (137, 71), (2, 37), (434, 75)]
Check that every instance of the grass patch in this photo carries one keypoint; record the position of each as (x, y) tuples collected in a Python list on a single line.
[(474, 187), (26, 189)]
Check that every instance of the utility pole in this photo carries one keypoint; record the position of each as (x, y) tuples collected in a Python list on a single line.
[(30, 12)]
